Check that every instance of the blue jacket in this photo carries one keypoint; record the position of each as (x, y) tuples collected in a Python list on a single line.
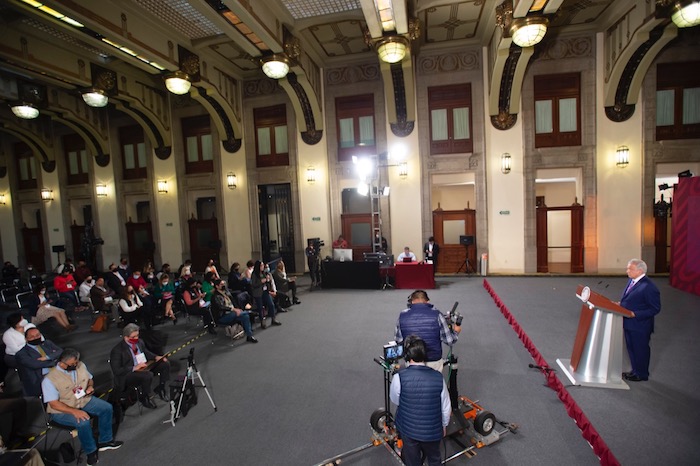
[(423, 321), (30, 368), (644, 300), (419, 415)]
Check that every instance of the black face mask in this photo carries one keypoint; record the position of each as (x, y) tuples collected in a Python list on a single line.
[(71, 368), (35, 342)]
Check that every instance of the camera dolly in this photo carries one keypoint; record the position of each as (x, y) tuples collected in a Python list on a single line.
[(471, 426)]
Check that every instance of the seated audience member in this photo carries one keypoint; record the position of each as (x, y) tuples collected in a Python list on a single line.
[(102, 297), (130, 305), (84, 290), (81, 272), (67, 264), (261, 282), (14, 337), (165, 293), (68, 391), (149, 275), (10, 273), (34, 361), (141, 285), (406, 254), (196, 305), (284, 283), (208, 286), (134, 365), (236, 281), (185, 270), (164, 270), (45, 310), (211, 267), (225, 313), (277, 298), (30, 276), (115, 281), (340, 243), (124, 268), (248, 272), (67, 287)]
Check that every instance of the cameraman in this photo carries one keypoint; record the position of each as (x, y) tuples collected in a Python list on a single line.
[(423, 320), (424, 406), (312, 252)]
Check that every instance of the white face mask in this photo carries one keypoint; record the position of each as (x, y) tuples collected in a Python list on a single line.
[(23, 323), (43, 292)]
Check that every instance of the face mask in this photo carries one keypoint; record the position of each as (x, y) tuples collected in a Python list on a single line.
[(165, 282), (267, 269), (133, 341), (42, 292), (136, 277), (35, 342), (71, 368), (23, 322)]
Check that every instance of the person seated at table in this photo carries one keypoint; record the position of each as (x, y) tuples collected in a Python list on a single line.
[(340, 243), (406, 256)]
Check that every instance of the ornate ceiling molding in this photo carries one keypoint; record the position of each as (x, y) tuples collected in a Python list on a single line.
[(449, 62), (352, 74)]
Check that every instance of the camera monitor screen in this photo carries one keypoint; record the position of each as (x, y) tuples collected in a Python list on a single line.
[(393, 351), (342, 255)]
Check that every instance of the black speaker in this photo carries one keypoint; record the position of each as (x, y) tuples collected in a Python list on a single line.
[(59, 248), (466, 240)]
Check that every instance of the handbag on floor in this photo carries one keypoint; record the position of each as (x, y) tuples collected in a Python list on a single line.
[(100, 324)]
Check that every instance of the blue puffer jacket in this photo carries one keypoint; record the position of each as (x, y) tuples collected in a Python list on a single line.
[(419, 415), (422, 320)]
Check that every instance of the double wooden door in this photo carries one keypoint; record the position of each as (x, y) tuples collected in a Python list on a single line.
[(455, 233)]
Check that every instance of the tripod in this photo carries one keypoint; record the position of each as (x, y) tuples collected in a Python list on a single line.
[(188, 383), (467, 266)]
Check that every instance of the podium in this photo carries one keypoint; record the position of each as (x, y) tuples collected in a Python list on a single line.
[(596, 360)]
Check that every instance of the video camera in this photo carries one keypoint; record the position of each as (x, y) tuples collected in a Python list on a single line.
[(317, 244), (393, 352), (454, 317)]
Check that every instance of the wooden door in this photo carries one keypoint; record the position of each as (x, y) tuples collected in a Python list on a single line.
[(139, 238), (33, 239), (576, 239), (448, 227), (542, 240), (204, 242), (357, 231)]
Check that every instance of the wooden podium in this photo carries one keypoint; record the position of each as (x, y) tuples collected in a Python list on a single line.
[(596, 360)]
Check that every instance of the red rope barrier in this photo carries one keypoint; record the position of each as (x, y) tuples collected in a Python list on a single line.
[(600, 448)]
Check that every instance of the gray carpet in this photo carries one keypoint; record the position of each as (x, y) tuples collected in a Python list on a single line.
[(307, 390)]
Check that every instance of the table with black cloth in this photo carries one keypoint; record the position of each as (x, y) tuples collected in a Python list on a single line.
[(414, 275), (349, 274)]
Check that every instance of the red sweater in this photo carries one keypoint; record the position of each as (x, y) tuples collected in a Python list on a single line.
[(65, 283)]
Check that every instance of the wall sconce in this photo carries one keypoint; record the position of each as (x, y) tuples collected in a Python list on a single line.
[(311, 175), (231, 181), (392, 49), (505, 163), (622, 156), (101, 190), (275, 66), (46, 194), (2, 199), (403, 170), (162, 186)]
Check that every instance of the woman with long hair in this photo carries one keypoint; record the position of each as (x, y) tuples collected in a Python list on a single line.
[(165, 292), (45, 310), (260, 282)]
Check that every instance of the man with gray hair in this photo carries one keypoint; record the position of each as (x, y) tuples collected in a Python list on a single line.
[(68, 390), (134, 365), (642, 297)]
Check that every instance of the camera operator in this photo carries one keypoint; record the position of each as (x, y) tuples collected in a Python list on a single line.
[(423, 320), (313, 251), (424, 406)]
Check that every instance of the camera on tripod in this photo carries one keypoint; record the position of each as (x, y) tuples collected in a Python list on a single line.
[(454, 317), (317, 244)]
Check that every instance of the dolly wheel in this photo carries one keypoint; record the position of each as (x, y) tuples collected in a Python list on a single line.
[(379, 419), (484, 423)]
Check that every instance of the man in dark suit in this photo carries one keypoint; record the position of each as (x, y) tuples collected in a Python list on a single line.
[(641, 297), (430, 252), (134, 365), (34, 361)]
